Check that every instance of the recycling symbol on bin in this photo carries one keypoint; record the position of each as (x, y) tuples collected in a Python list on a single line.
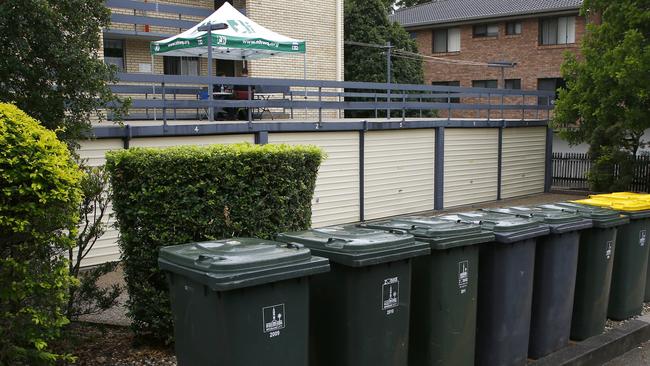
[(390, 293)]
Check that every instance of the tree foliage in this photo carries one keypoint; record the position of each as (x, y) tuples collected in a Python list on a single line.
[(367, 21), (39, 193), (408, 3), (607, 100), (49, 65)]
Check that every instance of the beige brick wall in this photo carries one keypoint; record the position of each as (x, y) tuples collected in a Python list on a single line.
[(316, 22), (320, 24)]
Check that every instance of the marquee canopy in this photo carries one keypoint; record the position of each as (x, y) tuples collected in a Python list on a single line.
[(242, 40)]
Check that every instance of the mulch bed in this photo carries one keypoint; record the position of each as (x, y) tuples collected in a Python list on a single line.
[(97, 344)]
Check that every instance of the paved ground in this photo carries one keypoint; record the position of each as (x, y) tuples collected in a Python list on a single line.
[(117, 315), (639, 356)]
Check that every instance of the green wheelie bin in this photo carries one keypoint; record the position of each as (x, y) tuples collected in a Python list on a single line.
[(644, 197), (631, 260), (556, 262), (595, 264), (444, 289), (240, 302), (505, 290), (360, 309)]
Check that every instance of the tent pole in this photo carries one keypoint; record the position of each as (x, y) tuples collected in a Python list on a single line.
[(304, 75), (154, 89), (210, 85)]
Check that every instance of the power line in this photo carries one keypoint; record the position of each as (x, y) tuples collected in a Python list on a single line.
[(416, 56)]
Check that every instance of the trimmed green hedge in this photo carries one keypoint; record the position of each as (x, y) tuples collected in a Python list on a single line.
[(177, 195), (39, 194)]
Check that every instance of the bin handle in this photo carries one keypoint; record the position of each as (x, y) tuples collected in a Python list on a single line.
[(336, 242), (291, 246), (207, 257)]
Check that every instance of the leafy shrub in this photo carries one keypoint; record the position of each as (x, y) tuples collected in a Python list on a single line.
[(177, 195), (87, 297), (39, 193)]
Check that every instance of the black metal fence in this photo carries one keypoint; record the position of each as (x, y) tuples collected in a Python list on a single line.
[(570, 170)]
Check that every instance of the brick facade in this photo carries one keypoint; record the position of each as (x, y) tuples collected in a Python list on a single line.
[(319, 23), (534, 61)]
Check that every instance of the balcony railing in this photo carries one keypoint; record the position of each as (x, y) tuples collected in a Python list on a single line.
[(172, 18), (176, 97)]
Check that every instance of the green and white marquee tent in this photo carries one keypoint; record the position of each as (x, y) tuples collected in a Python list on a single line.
[(242, 40)]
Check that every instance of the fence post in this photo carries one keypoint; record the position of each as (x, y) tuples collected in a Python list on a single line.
[(250, 108), (291, 102), (548, 171), (164, 108), (448, 104), (500, 161), (439, 169), (320, 104), (403, 105), (362, 143)]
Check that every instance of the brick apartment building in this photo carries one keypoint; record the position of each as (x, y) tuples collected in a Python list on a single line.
[(534, 34), (135, 23)]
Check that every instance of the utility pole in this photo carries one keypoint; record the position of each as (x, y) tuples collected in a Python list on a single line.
[(209, 27), (389, 47)]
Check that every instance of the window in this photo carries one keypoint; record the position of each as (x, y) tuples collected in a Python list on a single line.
[(486, 30), (484, 84), (225, 67), (181, 65), (513, 28), (413, 35), (549, 84), (513, 83), (446, 83), (446, 40), (114, 53), (560, 30)]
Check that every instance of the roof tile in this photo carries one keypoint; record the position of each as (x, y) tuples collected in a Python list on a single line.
[(447, 11)]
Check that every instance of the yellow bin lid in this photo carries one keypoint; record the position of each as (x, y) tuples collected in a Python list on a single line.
[(623, 195), (617, 203)]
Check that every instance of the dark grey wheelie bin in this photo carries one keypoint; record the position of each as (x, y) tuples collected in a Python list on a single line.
[(360, 309), (595, 263), (631, 261), (240, 302), (505, 290), (444, 290), (556, 261)]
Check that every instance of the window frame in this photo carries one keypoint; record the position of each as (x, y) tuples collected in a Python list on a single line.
[(570, 38), (515, 24), (446, 31), (486, 81), (122, 47), (517, 83), (182, 70), (487, 33)]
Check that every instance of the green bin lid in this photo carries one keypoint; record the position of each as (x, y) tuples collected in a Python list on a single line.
[(356, 246), (600, 216), (558, 221), (240, 262), (506, 228), (440, 234)]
